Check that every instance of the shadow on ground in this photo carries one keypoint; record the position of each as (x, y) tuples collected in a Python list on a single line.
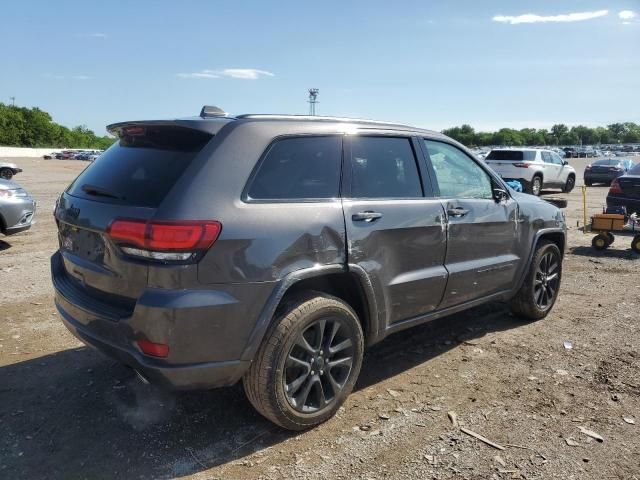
[(620, 249), (4, 245), (76, 414)]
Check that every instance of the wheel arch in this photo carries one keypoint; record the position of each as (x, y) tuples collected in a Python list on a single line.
[(555, 235), (348, 284)]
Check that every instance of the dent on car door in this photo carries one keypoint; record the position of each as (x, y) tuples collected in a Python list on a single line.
[(482, 232), (394, 232)]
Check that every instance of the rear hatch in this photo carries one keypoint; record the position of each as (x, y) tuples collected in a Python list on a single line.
[(630, 186), (128, 181), (508, 162)]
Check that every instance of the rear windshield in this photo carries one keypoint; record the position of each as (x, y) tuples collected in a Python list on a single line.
[(606, 162), (517, 155), (141, 167)]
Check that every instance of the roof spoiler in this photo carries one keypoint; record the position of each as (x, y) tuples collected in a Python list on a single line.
[(212, 111)]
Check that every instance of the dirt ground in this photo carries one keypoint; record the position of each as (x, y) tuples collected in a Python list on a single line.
[(68, 412)]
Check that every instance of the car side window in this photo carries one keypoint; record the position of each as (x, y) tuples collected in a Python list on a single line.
[(299, 168), (546, 157), (384, 167), (555, 158), (458, 176)]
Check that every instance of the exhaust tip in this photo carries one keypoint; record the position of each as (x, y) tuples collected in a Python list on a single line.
[(142, 378)]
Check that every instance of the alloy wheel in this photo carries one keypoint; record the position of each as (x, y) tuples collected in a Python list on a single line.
[(318, 365), (547, 280)]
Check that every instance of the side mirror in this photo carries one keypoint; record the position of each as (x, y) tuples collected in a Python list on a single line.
[(565, 162), (500, 195)]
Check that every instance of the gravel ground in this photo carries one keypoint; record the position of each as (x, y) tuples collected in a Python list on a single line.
[(68, 412)]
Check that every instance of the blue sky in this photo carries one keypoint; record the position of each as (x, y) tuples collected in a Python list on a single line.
[(433, 64)]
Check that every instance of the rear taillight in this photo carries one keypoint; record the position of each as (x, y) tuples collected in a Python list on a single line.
[(615, 187), (521, 165), (164, 241)]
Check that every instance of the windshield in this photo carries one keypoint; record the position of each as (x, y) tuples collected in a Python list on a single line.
[(607, 162), (635, 170)]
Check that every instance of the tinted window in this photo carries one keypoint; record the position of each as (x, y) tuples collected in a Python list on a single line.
[(383, 167), (555, 158), (546, 157), (512, 155), (457, 174), (299, 168), (141, 167), (635, 170)]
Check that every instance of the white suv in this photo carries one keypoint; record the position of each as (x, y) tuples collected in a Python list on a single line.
[(533, 168)]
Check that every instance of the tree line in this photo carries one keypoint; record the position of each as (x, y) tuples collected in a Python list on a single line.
[(559, 134), (32, 127)]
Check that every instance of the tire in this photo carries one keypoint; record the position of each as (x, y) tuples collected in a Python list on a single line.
[(635, 244), (571, 182), (292, 361), (600, 241), (6, 173), (588, 183), (610, 238), (535, 186), (539, 291)]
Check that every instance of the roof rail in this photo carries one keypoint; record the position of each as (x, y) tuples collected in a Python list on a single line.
[(319, 118)]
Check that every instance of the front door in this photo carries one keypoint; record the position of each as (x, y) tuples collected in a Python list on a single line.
[(551, 170), (481, 256), (395, 228)]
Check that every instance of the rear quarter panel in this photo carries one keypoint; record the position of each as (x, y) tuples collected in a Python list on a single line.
[(259, 242)]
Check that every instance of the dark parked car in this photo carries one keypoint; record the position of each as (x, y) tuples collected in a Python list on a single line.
[(17, 208), (570, 152), (275, 249), (8, 170), (625, 191), (604, 171)]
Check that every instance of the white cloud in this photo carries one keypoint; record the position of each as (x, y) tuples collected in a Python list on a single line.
[(241, 73), (533, 18), (62, 77), (627, 15)]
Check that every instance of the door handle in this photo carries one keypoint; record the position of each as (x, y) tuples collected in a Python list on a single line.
[(457, 212), (367, 216)]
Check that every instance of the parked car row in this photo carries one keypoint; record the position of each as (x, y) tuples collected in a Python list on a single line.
[(90, 155)]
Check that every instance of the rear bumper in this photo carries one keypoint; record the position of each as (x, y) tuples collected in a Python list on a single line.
[(174, 377), (206, 330), (601, 177), (631, 204)]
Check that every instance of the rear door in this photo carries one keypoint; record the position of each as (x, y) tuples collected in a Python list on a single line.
[(395, 228), (482, 255), (551, 170), (129, 180)]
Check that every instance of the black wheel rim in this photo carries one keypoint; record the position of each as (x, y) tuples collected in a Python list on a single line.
[(546, 281), (318, 365)]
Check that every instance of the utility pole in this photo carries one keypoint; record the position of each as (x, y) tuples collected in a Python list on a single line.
[(13, 101), (313, 99)]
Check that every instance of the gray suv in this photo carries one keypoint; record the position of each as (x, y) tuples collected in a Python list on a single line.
[(275, 249)]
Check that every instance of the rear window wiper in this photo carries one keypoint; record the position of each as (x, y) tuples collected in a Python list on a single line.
[(99, 191)]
